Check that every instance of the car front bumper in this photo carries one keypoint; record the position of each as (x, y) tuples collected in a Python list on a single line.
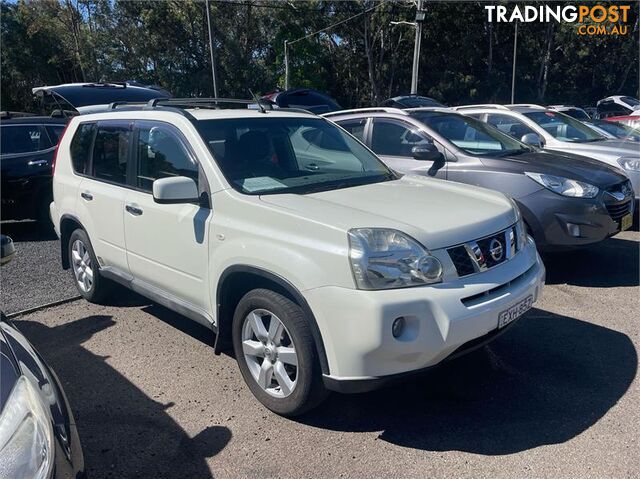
[(440, 320), (558, 222)]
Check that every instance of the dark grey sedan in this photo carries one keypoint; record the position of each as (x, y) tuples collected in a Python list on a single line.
[(566, 200)]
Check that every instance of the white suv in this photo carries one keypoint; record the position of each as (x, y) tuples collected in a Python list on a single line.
[(291, 241)]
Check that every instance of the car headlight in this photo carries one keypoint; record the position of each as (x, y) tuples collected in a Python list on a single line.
[(26, 434), (386, 258), (564, 186), (630, 164)]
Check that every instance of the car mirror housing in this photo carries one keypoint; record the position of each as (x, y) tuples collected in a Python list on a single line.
[(532, 139), (426, 152), (176, 189)]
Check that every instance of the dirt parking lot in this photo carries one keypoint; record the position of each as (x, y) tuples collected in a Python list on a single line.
[(557, 396)]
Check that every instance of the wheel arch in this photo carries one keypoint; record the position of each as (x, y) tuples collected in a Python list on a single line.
[(236, 281), (68, 224)]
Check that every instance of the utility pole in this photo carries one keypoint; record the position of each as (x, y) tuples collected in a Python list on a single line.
[(213, 62), (420, 16), (286, 65), (513, 71)]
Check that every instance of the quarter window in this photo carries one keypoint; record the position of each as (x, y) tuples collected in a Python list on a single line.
[(161, 154), (110, 153), (356, 128), (81, 147)]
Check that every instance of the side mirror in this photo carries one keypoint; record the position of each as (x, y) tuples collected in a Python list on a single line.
[(532, 139), (8, 250), (426, 152), (177, 189)]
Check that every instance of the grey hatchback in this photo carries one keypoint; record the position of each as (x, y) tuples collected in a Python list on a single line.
[(566, 200)]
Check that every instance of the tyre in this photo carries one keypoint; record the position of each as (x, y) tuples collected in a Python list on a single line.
[(276, 353), (84, 269)]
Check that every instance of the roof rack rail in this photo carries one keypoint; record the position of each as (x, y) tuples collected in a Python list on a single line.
[(14, 114), (375, 109), (530, 105), (480, 105)]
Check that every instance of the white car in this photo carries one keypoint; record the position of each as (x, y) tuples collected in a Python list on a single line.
[(291, 241), (542, 127)]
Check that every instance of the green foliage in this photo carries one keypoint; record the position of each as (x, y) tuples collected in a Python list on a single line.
[(360, 62)]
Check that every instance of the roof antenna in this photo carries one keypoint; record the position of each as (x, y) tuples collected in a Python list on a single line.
[(260, 105)]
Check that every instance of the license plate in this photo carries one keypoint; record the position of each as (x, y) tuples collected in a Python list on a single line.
[(625, 222), (514, 312)]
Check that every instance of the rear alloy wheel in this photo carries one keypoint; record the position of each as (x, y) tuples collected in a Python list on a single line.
[(276, 353), (84, 267)]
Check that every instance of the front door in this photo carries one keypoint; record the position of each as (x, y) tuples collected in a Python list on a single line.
[(166, 243)]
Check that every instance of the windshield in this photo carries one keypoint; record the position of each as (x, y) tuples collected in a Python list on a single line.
[(471, 135), (619, 130), (563, 127), (577, 113), (289, 155)]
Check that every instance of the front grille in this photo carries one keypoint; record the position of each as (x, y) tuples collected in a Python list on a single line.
[(485, 253), (618, 210)]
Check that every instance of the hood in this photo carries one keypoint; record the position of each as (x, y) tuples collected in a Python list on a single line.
[(435, 212), (603, 150), (564, 164)]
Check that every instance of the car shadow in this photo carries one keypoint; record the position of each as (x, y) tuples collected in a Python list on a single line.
[(27, 231), (547, 380), (612, 263), (124, 433)]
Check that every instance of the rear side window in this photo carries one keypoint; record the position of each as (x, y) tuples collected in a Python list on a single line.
[(110, 153), (81, 147), (161, 154), (355, 127), (54, 133), (15, 139)]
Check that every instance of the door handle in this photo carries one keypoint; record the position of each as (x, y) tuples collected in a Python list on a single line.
[(86, 195), (37, 162), (312, 167), (134, 210)]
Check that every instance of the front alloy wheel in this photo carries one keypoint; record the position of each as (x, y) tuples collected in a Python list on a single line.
[(270, 353)]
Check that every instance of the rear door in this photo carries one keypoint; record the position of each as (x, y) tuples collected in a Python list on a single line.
[(166, 243), (103, 189)]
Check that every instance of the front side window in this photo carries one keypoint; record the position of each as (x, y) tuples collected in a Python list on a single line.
[(509, 125), (289, 155), (563, 127), (161, 154), (391, 138), (471, 135), (15, 139), (110, 153)]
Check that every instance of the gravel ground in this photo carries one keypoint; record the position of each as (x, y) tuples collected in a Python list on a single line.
[(557, 396), (34, 277)]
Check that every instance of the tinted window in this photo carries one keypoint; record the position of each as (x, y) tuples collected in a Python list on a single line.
[(289, 155), (564, 127), (308, 100), (23, 139), (509, 125), (110, 153), (81, 147), (54, 132), (394, 139), (630, 100), (355, 127), (577, 113), (161, 154), (471, 135)]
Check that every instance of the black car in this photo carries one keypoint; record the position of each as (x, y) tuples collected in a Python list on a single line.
[(305, 98), (27, 149), (411, 101), (38, 436)]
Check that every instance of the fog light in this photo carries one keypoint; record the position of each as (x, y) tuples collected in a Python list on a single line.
[(398, 327), (574, 230)]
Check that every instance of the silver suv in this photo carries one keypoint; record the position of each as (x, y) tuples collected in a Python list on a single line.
[(552, 130)]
